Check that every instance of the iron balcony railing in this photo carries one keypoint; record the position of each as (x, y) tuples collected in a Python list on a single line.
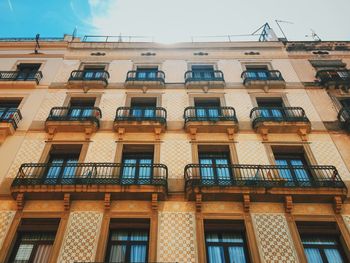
[(92, 114), (91, 173), (139, 75), (314, 176), (205, 75), (158, 114), (337, 76), (89, 75), (277, 114), (210, 114), (344, 116), (21, 76), (262, 75), (10, 115)]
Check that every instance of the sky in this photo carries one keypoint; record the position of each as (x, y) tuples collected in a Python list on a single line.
[(171, 21)]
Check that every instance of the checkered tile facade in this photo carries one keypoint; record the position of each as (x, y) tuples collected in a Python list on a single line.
[(6, 218), (101, 149), (301, 99), (250, 152), (66, 69), (51, 100), (176, 237), (81, 237), (241, 102), (109, 104), (274, 239), (175, 104)]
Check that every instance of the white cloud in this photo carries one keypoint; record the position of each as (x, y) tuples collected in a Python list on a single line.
[(178, 20)]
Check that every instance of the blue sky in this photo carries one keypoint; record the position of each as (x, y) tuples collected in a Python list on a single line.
[(173, 20)]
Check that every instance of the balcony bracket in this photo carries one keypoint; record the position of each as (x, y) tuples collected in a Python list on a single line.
[(288, 204), (193, 133), (230, 133), (66, 202), (121, 132), (205, 89), (266, 88), (264, 133), (3, 135), (303, 134), (246, 203), (144, 89), (337, 205), (20, 201), (154, 202), (51, 133), (157, 132), (88, 133), (107, 201), (198, 203)]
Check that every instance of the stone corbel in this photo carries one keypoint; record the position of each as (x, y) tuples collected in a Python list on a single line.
[(66, 202), (303, 134), (157, 132), (154, 202), (264, 134), (198, 203), (121, 132), (230, 133), (288, 204), (144, 89), (338, 204), (51, 133), (88, 133), (107, 201), (20, 201), (193, 133), (246, 203), (205, 89), (266, 88)]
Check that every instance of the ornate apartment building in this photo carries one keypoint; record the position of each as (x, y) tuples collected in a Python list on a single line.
[(191, 152)]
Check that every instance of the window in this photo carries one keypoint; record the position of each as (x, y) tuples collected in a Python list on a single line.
[(271, 107), (322, 242), (8, 108), (143, 107), (81, 107), (260, 72), (225, 242), (62, 163), (345, 102), (35, 240), (146, 72), (207, 107), (215, 161), (27, 71), (128, 241), (93, 71), (294, 165), (203, 71), (137, 163)]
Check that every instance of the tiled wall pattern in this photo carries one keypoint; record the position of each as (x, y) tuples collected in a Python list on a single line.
[(29, 152), (110, 103), (51, 100), (250, 152), (347, 221), (176, 237), (81, 237), (274, 239), (326, 153), (175, 103), (6, 218), (101, 149), (175, 152), (241, 101), (301, 99), (66, 69)]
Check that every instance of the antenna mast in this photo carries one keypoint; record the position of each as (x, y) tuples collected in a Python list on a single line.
[(279, 26)]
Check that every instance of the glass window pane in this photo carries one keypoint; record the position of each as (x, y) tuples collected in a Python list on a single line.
[(333, 256), (207, 172), (313, 255), (139, 236), (216, 254), (236, 255), (129, 168), (70, 168), (231, 237), (138, 253), (42, 254), (119, 236), (145, 172), (24, 251), (212, 237), (117, 253)]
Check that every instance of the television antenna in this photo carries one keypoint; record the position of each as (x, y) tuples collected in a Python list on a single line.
[(314, 35), (37, 45), (279, 26)]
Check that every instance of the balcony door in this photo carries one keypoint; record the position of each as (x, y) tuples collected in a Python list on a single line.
[(143, 107), (8, 108), (208, 108), (260, 72), (203, 72), (294, 170), (271, 108), (146, 73), (93, 72), (214, 169), (81, 108), (27, 71)]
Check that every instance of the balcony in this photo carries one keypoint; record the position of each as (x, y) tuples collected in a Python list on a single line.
[(148, 79), (204, 79), (337, 78), (210, 119), (263, 79), (73, 119), (140, 119), (18, 79), (264, 182), (9, 119), (90, 180), (88, 79), (344, 118), (280, 120)]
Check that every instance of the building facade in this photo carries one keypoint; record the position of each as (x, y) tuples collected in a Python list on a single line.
[(190, 152)]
